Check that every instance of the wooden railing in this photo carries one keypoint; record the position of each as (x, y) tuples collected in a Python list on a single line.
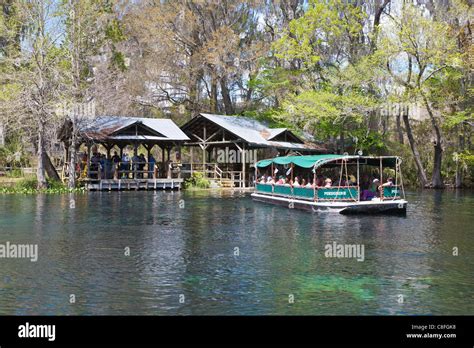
[(213, 171), (129, 170)]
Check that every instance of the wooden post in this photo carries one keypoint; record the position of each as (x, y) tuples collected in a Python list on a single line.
[(243, 165), (168, 169), (192, 158), (88, 163), (204, 150), (162, 159)]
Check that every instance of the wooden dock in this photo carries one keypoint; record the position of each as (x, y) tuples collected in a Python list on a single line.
[(133, 184)]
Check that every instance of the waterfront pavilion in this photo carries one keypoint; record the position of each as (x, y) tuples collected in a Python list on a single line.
[(228, 146), (117, 132)]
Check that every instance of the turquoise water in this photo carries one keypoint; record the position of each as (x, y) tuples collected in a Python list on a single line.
[(183, 257)]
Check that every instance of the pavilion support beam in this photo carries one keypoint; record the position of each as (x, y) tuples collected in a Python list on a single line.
[(107, 147), (243, 164), (88, 159), (191, 158), (162, 159), (204, 150), (168, 167)]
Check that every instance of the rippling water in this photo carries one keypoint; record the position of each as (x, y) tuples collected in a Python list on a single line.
[(183, 243)]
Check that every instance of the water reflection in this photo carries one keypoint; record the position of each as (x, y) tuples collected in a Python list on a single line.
[(183, 243)]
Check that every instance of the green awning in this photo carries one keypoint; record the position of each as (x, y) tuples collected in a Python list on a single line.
[(300, 161), (311, 161)]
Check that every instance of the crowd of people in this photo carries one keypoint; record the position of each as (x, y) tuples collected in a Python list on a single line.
[(125, 167), (299, 181), (370, 186)]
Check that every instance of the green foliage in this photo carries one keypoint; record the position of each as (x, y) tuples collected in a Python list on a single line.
[(29, 186), (118, 60), (325, 112), (197, 180), (13, 154), (114, 31), (321, 27)]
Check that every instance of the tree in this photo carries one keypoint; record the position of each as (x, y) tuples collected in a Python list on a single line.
[(90, 27), (416, 50), (36, 75), (194, 53)]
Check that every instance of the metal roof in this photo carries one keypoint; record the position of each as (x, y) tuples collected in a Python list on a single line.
[(106, 128), (255, 132)]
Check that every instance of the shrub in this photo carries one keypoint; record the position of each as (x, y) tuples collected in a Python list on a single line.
[(197, 180)]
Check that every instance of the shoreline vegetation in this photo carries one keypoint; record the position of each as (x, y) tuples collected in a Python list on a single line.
[(30, 186)]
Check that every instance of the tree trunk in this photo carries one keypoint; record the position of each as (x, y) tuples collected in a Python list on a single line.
[(40, 172), (72, 161), (213, 100), (228, 106), (49, 168), (399, 127), (436, 178), (414, 150), (458, 178), (342, 141)]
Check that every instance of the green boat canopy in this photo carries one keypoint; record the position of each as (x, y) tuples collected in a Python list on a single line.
[(318, 160)]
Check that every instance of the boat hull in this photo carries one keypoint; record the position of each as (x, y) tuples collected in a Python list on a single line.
[(397, 207)]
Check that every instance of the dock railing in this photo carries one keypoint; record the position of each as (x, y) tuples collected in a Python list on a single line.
[(130, 170), (213, 171)]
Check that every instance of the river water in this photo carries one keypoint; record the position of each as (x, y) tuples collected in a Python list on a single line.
[(206, 253)]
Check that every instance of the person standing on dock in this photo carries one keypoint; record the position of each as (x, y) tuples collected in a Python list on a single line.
[(125, 166), (151, 166), (135, 165)]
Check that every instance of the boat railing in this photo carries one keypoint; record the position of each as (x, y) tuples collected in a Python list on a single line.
[(334, 193), (391, 192)]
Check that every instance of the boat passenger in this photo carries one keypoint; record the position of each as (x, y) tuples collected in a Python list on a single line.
[(262, 180), (280, 181), (287, 182), (320, 181), (303, 182), (328, 182), (296, 183), (389, 182), (372, 192), (270, 180), (352, 180), (309, 185)]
